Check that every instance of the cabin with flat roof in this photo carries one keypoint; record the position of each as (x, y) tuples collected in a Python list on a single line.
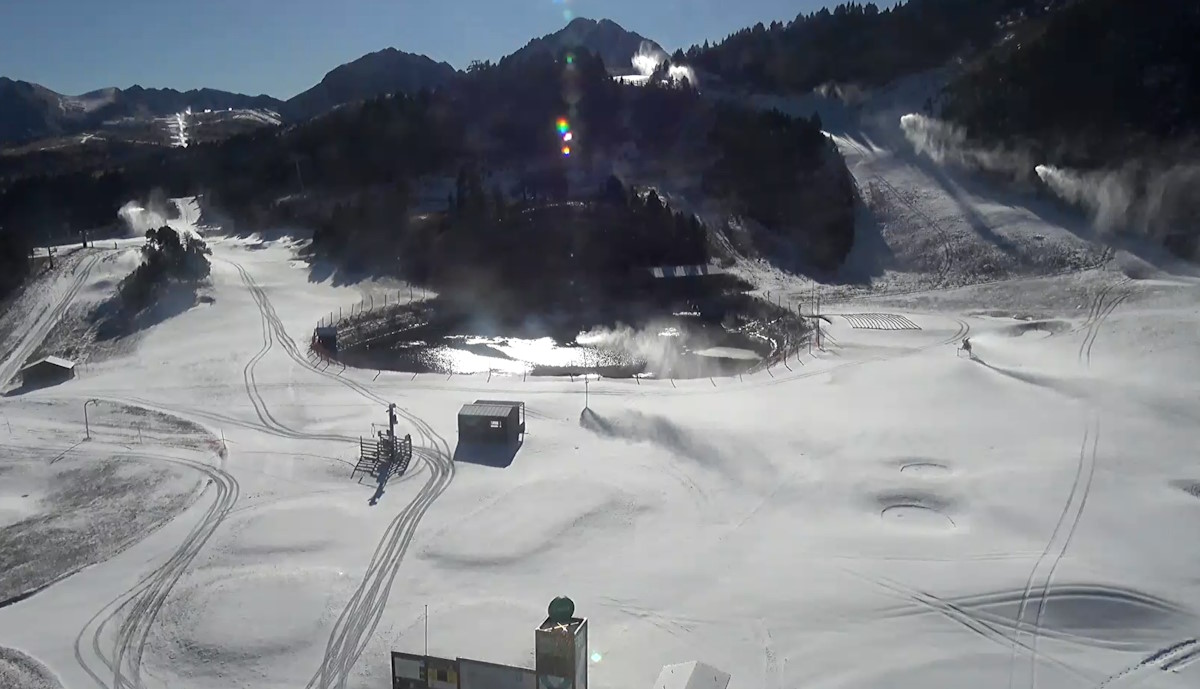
[(50, 370), (491, 422)]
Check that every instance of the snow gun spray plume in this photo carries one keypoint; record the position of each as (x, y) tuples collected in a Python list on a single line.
[(946, 143), (139, 219), (1152, 202), (1107, 197), (656, 344), (157, 211), (648, 59)]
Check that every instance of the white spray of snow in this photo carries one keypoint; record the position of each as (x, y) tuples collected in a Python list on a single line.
[(140, 217), (1150, 202), (1108, 197), (947, 144), (677, 73), (648, 59), (654, 343)]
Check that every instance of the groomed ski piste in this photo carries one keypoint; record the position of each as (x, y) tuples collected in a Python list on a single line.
[(883, 512)]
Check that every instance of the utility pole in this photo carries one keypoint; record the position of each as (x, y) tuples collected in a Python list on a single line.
[(817, 313), (585, 391), (391, 432), (299, 176), (86, 427)]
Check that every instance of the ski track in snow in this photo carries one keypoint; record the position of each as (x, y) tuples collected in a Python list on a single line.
[(138, 608), (1101, 308), (359, 619)]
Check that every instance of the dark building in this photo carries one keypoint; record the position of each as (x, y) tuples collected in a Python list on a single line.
[(493, 422), (325, 340), (560, 648), (51, 370)]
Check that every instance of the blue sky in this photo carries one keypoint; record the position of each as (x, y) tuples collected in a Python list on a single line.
[(281, 48)]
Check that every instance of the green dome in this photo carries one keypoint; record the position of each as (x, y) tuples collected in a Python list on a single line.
[(561, 609)]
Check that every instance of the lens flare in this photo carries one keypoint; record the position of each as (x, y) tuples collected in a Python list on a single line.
[(570, 59), (596, 657), (568, 136), (566, 150), (563, 125)]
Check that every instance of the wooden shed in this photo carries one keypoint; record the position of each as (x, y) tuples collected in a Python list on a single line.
[(493, 422)]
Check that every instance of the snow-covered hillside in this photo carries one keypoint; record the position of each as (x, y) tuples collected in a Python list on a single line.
[(925, 221), (885, 512)]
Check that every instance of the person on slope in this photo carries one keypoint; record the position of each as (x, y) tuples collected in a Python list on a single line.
[(966, 346)]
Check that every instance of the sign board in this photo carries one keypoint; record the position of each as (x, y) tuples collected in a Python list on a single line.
[(475, 674), (441, 673), (408, 671)]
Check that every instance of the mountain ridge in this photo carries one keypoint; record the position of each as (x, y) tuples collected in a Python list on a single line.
[(30, 111), (615, 44), (375, 73)]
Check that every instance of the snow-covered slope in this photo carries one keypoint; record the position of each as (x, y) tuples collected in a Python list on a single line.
[(924, 223), (882, 513)]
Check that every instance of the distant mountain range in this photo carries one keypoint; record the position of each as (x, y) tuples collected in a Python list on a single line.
[(30, 112)]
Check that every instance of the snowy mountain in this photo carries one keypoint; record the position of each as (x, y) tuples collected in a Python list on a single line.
[(30, 111), (615, 45), (374, 74)]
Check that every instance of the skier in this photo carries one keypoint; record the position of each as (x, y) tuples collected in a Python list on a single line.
[(966, 346)]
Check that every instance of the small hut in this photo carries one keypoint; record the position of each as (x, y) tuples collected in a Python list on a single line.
[(491, 422), (50, 370)]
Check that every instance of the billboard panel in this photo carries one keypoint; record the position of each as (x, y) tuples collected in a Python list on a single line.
[(442, 673), (474, 674), (408, 671), (581, 657)]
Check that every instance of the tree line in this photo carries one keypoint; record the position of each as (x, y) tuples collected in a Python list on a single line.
[(856, 43), (1095, 82), (358, 175)]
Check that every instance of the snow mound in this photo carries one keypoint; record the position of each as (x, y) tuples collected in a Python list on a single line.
[(569, 512), (244, 621), (306, 525)]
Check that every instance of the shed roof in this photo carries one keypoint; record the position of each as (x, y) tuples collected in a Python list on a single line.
[(492, 411), (685, 271), (693, 675), (53, 361)]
